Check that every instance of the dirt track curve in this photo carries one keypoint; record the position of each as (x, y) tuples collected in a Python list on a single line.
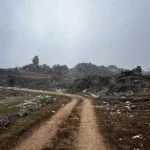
[(47, 131), (88, 137)]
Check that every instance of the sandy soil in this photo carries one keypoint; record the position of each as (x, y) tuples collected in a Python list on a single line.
[(47, 131), (89, 137)]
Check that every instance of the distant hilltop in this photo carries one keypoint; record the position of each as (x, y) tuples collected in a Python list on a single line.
[(80, 70), (38, 76)]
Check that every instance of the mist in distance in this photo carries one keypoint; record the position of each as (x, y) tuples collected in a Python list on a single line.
[(114, 32)]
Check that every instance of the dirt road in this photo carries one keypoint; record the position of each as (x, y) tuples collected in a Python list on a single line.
[(47, 131), (89, 137)]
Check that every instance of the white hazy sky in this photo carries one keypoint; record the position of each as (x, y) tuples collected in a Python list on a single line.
[(104, 32)]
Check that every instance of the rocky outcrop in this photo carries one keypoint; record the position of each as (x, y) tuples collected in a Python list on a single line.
[(135, 72), (95, 82), (126, 82), (82, 76), (60, 70), (36, 68), (35, 60), (84, 69)]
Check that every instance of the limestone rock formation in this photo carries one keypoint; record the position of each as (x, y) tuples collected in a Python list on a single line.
[(131, 81), (35, 60), (84, 69), (60, 70), (135, 72)]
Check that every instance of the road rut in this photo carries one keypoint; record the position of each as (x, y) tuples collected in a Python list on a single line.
[(89, 137), (47, 131)]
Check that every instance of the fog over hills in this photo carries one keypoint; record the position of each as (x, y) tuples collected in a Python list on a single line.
[(37, 76), (80, 70)]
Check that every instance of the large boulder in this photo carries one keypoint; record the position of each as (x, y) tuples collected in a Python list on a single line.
[(35, 60)]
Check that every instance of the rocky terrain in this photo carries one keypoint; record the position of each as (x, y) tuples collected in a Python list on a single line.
[(108, 110), (85, 78), (124, 120), (125, 83), (37, 76)]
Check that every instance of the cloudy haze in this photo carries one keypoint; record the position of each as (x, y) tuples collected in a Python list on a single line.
[(103, 32)]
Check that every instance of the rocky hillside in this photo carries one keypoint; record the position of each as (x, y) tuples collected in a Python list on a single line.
[(85, 69), (46, 77), (126, 82), (89, 83), (82, 76), (79, 71)]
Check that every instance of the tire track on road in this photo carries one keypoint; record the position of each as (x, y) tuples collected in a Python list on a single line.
[(89, 137), (47, 131)]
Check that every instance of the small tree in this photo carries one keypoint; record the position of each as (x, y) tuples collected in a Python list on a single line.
[(35, 60)]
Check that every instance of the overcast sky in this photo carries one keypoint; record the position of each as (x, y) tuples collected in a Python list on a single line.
[(103, 32)]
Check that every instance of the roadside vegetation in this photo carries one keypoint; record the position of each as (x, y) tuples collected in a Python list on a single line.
[(22, 112)]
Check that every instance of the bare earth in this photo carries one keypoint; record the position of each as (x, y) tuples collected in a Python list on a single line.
[(89, 137), (47, 131)]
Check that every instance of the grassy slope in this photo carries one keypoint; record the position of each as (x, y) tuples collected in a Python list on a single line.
[(15, 131)]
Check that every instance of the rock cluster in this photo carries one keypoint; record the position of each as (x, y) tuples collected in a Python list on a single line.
[(90, 82), (126, 82), (60, 70), (83, 76), (137, 71), (84, 69)]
